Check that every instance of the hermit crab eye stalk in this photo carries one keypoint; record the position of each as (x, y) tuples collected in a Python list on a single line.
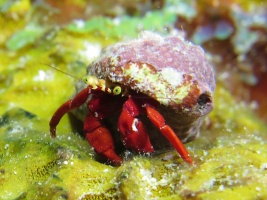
[(93, 81), (85, 79), (116, 90), (101, 84)]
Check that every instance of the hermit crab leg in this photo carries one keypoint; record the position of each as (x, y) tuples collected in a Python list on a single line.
[(94, 85), (100, 138), (134, 135), (157, 119), (66, 107)]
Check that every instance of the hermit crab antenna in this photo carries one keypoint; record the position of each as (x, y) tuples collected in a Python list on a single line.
[(62, 71)]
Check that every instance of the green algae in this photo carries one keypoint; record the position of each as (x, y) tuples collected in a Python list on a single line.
[(230, 155), (25, 37), (123, 26)]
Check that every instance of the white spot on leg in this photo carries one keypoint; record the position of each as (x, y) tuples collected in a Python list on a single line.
[(96, 114), (135, 122), (172, 76)]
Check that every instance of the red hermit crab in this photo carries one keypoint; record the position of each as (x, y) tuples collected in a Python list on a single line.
[(165, 78)]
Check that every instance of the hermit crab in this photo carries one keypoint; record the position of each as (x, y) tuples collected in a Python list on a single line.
[(147, 86)]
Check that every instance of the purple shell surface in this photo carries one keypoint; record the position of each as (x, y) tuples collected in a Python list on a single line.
[(169, 69)]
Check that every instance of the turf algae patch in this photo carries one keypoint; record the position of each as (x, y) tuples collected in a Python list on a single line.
[(44, 168), (24, 164), (149, 178), (90, 180), (26, 160), (240, 168)]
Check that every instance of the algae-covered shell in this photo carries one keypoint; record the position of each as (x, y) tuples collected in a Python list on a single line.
[(169, 69)]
